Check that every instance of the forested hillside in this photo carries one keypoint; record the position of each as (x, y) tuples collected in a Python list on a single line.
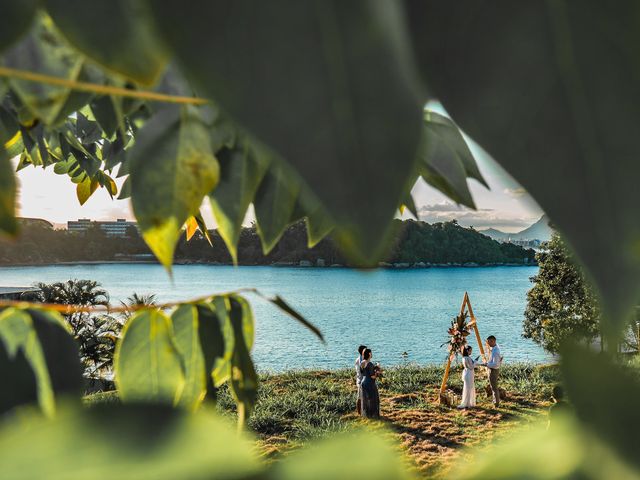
[(416, 242)]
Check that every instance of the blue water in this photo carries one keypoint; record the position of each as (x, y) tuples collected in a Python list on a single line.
[(391, 311)]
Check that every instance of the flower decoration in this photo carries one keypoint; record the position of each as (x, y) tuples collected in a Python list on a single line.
[(458, 333)]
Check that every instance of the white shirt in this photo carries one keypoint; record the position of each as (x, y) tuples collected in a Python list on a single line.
[(495, 358), (358, 370)]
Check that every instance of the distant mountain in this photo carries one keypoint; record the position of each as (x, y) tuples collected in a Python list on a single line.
[(495, 234), (538, 231)]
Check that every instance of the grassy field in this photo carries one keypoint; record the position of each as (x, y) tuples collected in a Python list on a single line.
[(297, 407)]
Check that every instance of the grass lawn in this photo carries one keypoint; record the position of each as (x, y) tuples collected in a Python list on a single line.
[(297, 407)]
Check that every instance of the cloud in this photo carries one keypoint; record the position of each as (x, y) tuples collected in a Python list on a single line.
[(517, 192), (446, 206), (481, 218)]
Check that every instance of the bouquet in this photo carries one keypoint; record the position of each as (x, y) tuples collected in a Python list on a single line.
[(458, 333)]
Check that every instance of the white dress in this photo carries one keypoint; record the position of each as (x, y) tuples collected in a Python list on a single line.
[(469, 386)]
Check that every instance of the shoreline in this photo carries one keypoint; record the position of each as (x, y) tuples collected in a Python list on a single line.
[(302, 265)]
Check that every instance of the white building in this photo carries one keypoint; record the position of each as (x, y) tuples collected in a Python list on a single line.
[(111, 228)]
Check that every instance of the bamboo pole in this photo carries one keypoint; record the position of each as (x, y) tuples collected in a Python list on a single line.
[(443, 386), (474, 324)]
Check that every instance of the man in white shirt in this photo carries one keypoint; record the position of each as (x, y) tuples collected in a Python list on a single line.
[(493, 364), (361, 349)]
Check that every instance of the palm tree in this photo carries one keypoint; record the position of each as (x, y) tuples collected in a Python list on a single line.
[(137, 300), (96, 334), (73, 292)]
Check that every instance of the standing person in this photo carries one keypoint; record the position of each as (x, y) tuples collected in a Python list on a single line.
[(358, 362), (494, 363), (370, 397), (468, 379)]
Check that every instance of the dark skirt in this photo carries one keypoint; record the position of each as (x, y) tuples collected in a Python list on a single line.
[(370, 399)]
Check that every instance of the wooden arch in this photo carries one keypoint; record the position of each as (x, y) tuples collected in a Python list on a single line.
[(473, 323)]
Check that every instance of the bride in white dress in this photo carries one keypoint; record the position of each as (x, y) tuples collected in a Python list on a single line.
[(469, 386)]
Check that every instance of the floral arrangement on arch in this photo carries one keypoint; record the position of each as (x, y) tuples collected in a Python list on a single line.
[(458, 333)]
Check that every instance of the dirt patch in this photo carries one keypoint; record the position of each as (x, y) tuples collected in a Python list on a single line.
[(434, 436)]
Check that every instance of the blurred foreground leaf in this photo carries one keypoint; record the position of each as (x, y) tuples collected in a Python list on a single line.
[(329, 85), (365, 455), (42, 340), (564, 451), (274, 204), (15, 19), (125, 442), (605, 395), (185, 322), (445, 159), (8, 223), (42, 51), (116, 34), (241, 171), (172, 169), (546, 89)]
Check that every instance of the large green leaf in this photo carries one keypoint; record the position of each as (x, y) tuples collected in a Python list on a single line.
[(43, 339), (172, 169), (60, 351), (115, 33), (43, 52), (364, 455), (563, 451), (222, 365), (241, 171), (605, 397), (20, 386), (147, 363), (15, 19), (185, 326), (8, 223), (244, 379), (20, 341), (445, 159), (328, 84), (551, 91), (213, 342), (274, 204), (126, 442)]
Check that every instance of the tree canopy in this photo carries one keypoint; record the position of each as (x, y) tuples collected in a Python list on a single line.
[(561, 306)]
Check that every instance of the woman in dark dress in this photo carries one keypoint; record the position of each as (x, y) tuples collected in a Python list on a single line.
[(370, 397)]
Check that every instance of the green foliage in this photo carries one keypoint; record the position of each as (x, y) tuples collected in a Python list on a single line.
[(561, 305), (130, 441)]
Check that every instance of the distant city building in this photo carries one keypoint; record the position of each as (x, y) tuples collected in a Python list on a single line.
[(112, 229)]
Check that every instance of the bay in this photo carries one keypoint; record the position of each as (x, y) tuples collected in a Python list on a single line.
[(391, 311)]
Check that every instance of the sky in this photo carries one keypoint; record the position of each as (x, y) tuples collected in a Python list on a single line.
[(506, 206)]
